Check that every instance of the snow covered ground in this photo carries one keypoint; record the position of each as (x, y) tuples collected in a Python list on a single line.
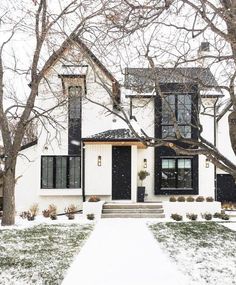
[(204, 251), (119, 251), (123, 252), (39, 253)]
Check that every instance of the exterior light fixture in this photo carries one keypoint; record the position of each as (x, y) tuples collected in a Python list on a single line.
[(145, 163), (207, 163), (99, 160)]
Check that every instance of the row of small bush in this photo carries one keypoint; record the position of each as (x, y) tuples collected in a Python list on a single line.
[(206, 216), (50, 212), (228, 206), (190, 199)]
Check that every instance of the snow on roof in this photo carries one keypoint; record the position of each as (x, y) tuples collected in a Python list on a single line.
[(111, 135), (143, 78)]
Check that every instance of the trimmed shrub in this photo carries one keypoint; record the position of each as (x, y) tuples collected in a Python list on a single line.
[(90, 216), (207, 216), (93, 199), (192, 217), (181, 199), (209, 199), (177, 217), (172, 199), (190, 199), (225, 217), (200, 199), (217, 215)]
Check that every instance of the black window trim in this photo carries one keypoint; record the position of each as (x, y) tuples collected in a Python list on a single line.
[(176, 111), (54, 172), (176, 158)]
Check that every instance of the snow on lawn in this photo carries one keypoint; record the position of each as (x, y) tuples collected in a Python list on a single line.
[(39, 254), (205, 251)]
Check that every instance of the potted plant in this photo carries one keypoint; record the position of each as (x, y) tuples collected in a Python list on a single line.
[(142, 174)]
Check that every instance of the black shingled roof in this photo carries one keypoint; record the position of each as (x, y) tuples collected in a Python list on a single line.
[(113, 135), (143, 78)]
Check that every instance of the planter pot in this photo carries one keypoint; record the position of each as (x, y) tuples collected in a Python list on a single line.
[(140, 194), (93, 208)]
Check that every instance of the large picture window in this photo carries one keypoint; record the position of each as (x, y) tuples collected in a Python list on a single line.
[(176, 173), (60, 172), (176, 107)]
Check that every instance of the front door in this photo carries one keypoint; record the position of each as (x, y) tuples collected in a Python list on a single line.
[(121, 173)]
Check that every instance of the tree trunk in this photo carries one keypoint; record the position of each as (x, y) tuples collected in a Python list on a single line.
[(8, 218), (232, 130)]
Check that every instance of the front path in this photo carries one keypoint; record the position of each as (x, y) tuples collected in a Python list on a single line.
[(122, 252)]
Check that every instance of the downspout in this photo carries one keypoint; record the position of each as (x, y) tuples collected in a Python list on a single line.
[(215, 129), (83, 171)]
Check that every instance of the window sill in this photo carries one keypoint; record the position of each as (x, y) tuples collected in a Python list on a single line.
[(176, 191), (60, 192)]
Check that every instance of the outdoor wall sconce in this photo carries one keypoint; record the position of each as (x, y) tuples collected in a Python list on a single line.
[(99, 160), (145, 163), (207, 164)]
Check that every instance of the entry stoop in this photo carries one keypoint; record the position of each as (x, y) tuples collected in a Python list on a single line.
[(133, 210)]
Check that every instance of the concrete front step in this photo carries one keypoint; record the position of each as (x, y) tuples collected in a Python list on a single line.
[(133, 215), (135, 211), (133, 206)]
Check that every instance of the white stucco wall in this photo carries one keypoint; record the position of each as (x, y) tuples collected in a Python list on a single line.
[(223, 140), (98, 178)]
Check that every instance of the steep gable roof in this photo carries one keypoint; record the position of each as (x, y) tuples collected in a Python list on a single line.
[(87, 53)]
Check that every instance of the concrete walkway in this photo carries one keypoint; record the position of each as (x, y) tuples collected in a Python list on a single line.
[(122, 252)]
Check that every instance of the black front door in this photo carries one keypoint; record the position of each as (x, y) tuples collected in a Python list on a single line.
[(121, 173)]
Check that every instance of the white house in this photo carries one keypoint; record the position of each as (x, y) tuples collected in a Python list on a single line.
[(91, 151)]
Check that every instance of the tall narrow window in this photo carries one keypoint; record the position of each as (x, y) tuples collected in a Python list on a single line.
[(47, 172), (176, 107), (74, 118)]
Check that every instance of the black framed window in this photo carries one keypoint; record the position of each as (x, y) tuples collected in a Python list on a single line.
[(176, 173), (176, 107), (74, 119), (60, 172)]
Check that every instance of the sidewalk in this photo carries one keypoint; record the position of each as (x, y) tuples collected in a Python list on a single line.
[(122, 252)]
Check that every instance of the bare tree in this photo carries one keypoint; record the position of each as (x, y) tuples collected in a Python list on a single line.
[(169, 33), (49, 28)]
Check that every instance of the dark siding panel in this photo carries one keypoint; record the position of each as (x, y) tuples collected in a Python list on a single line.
[(226, 188)]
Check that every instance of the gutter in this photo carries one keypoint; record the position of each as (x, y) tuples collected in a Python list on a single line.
[(215, 127), (83, 172)]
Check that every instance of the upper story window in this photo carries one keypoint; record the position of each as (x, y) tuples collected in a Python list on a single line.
[(75, 93), (74, 119), (177, 107)]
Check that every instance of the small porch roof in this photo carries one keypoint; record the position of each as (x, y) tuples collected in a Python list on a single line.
[(115, 137)]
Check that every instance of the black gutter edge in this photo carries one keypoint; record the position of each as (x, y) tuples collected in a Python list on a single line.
[(25, 146), (110, 140), (83, 172)]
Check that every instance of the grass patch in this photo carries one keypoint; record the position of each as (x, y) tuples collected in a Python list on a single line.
[(205, 251), (41, 254)]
